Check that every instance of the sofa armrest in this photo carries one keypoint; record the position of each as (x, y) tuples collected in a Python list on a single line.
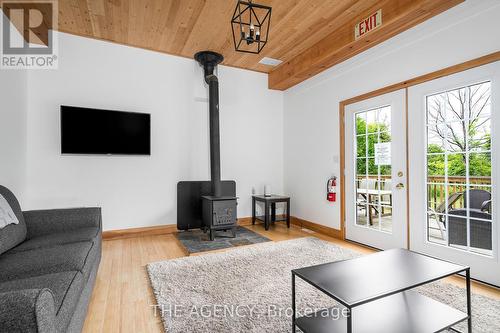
[(43, 222), (29, 310)]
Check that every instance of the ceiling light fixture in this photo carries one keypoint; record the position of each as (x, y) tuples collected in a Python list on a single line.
[(250, 25)]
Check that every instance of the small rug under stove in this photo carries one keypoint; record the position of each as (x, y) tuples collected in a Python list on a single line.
[(195, 241)]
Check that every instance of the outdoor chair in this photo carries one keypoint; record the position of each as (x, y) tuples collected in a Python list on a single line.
[(479, 206), (480, 228), (480, 200)]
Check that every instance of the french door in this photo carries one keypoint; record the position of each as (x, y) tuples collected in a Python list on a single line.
[(453, 151), (375, 171)]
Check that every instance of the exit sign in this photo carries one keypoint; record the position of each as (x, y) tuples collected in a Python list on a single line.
[(368, 24)]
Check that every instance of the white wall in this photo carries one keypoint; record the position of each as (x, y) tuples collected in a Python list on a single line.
[(141, 191), (262, 139), (311, 148), (13, 96)]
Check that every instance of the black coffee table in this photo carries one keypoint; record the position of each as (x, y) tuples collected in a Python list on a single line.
[(375, 290)]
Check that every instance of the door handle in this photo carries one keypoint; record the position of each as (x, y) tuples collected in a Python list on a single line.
[(400, 186)]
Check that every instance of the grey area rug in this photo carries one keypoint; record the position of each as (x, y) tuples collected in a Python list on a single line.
[(195, 241), (249, 289)]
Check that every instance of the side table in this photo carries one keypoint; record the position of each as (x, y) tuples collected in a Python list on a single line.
[(270, 214)]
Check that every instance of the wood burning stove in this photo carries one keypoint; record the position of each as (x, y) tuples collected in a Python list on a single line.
[(218, 212)]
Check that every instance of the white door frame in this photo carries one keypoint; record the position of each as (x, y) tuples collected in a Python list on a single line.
[(483, 267), (378, 239)]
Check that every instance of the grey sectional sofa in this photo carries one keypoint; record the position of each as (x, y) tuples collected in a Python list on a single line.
[(48, 267)]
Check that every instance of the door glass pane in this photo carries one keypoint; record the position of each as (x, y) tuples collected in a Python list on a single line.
[(384, 119), (371, 121), (456, 166), (459, 168), (361, 216), (436, 193), (372, 141), (373, 169), (480, 135), (455, 137), (436, 227), (386, 213), (435, 168), (436, 138), (374, 214), (480, 168), (361, 124), (361, 146), (361, 168)]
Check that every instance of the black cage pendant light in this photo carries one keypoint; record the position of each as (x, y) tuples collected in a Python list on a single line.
[(250, 26)]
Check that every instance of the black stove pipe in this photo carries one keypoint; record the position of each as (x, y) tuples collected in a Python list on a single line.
[(209, 60), (213, 86)]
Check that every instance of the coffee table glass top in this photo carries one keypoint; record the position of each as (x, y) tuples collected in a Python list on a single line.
[(357, 281)]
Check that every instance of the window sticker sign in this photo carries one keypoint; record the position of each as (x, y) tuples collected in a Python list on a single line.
[(383, 153)]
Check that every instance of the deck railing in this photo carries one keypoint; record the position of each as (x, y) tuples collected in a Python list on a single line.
[(436, 188)]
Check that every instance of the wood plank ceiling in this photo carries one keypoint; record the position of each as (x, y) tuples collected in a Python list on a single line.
[(307, 35)]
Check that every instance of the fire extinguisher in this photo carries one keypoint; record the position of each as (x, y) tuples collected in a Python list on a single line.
[(331, 189)]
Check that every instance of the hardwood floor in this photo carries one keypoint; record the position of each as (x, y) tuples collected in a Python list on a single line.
[(122, 298)]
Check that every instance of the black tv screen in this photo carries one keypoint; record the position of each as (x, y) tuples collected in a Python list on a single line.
[(94, 131)]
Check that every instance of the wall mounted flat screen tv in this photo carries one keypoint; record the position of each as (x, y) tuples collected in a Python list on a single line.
[(94, 131)]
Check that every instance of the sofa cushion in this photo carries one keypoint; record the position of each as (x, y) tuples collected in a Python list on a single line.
[(60, 238), (61, 258), (13, 234), (66, 288)]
